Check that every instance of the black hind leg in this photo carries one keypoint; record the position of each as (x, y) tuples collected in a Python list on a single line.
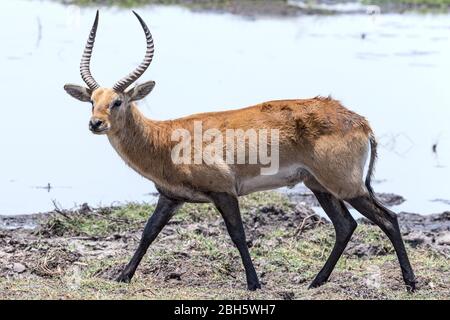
[(344, 225), (387, 221)]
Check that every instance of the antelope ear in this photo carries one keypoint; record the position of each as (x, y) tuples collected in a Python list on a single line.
[(141, 90), (78, 92)]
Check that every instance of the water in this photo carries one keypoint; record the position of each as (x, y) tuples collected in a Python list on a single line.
[(397, 76)]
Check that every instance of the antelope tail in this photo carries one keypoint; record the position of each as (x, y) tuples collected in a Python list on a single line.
[(373, 158)]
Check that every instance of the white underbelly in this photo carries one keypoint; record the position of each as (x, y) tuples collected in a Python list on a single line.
[(288, 176)]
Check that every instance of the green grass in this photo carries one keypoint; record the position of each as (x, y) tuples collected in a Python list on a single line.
[(426, 3), (97, 223), (215, 272), (260, 6), (194, 258), (107, 221), (196, 4)]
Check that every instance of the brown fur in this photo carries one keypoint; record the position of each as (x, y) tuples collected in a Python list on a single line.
[(330, 141)]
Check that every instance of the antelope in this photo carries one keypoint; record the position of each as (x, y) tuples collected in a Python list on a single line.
[(321, 143)]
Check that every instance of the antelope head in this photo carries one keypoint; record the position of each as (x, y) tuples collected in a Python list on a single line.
[(110, 105)]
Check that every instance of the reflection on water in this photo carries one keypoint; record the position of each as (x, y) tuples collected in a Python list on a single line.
[(392, 68)]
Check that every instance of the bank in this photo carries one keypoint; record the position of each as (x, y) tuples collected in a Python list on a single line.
[(77, 254)]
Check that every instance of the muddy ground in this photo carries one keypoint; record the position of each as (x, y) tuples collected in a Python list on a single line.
[(77, 255)]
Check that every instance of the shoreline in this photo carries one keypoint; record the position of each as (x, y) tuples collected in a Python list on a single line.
[(77, 254), (281, 8), (33, 220)]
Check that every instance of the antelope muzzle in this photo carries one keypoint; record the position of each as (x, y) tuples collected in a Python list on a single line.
[(98, 126)]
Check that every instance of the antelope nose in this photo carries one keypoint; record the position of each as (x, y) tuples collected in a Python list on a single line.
[(94, 124)]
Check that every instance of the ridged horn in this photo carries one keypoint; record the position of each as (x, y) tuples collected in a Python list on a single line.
[(86, 58), (125, 82)]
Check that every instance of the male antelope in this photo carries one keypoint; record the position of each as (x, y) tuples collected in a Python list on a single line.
[(321, 143)]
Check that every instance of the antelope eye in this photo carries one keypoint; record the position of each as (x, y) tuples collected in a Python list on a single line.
[(117, 103)]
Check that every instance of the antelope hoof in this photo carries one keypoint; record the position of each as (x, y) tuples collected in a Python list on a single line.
[(316, 283), (411, 286), (254, 286), (123, 278)]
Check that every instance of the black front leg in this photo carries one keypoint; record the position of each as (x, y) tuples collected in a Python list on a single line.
[(228, 206), (165, 209)]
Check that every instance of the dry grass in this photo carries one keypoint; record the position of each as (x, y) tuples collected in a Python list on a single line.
[(194, 259)]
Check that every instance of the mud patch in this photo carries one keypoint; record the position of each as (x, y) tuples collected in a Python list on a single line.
[(194, 257), (306, 197)]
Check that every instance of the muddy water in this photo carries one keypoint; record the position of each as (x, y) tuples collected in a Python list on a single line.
[(394, 69)]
